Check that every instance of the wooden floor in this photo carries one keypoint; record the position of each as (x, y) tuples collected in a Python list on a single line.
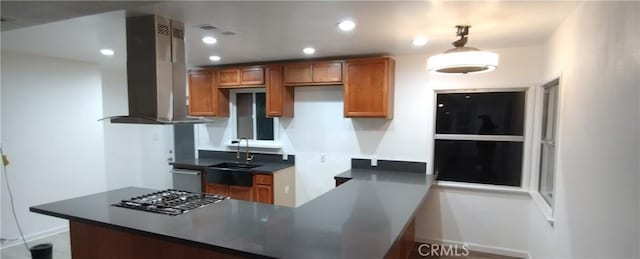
[(62, 250)]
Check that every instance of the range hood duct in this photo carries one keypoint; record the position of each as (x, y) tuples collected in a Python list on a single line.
[(156, 73)]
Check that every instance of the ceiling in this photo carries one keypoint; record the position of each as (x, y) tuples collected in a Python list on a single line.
[(279, 30)]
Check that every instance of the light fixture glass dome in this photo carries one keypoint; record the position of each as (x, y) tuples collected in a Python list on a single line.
[(463, 62), (461, 59)]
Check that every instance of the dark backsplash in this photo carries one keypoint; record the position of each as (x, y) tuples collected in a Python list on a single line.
[(390, 165), (257, 157)]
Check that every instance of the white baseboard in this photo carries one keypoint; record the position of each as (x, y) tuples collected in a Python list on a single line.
[(37, 235), (477, 247)]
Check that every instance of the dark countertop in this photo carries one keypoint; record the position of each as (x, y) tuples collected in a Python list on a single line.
[(361, 218), (202, 163)]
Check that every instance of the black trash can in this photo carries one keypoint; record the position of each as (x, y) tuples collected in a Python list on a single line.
[(41, 251)]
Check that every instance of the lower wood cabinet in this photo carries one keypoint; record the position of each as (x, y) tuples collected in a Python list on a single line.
[(278, 188), (264, 193), (241, 193), (220, 189), (261, 191)]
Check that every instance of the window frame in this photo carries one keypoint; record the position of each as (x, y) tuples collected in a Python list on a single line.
[(525, 139), (548, 210), (233, 120)]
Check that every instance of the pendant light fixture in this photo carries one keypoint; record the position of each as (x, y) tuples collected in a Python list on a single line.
[(461, 59)]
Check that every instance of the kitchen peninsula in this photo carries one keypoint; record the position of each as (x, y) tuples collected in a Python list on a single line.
[(368, 216)]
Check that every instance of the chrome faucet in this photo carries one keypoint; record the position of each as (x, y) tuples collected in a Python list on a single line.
[(237, 149), (247, 157)]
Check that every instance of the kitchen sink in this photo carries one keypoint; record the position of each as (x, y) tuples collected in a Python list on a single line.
[(230, 174), (234, 166)]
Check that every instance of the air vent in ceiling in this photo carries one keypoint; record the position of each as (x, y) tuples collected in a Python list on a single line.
[(206, 27), (228, 33)]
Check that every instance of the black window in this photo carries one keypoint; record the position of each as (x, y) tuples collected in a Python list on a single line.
[(479, 137)]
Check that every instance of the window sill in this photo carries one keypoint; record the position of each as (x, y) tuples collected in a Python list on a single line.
[(482, 187), (542, 205), (258, 144)]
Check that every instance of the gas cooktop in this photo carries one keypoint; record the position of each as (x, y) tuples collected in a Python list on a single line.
[(170, 202)]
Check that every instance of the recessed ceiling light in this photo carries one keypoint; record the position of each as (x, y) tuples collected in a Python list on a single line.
[(107, 52), (347, 25), (209, 40), (309, 50), (214, 58), (419, 41)]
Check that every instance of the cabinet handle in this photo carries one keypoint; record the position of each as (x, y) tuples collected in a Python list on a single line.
[(189, 172)]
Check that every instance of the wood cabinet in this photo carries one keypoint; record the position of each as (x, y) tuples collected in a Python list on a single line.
[(227, 77), (241, 77), (264, 193), (341, 180), (297, 73), (220, 189), (205, 98), (316, 73), (271, 188), (252, 76), (95, 241), (263, 186), (368, 87), (241, 193), (327, 72), (279, 97)]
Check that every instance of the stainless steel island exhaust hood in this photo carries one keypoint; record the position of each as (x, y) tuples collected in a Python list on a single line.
[(156, 73)]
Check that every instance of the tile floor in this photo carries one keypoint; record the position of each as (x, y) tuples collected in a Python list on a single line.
[(62, 250)]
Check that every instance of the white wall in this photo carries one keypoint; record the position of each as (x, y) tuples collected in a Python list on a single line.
[(122, 144), (58, 149), (318, 128), (597, 51), (135, 155), (50, 132)]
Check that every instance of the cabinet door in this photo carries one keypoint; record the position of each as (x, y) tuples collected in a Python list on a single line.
[(227, 77), (201, 94), (241, 193), (279, 97), (264, 193), (327, 72), (368, 87), (220, 189), (252, 76), (297, 73)]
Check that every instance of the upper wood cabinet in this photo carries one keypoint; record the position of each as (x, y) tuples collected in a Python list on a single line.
[(252, 76), (297, 73), (228, 77), (238, 77), (368, 87), (205, 98), (316, 73), (327, 72), (279, 97)]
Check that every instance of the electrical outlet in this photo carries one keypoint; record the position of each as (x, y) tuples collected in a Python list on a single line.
[(374, 161), (323, 158), (285, 156)]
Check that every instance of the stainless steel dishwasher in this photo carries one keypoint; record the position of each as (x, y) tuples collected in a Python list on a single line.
[(187, 180)]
